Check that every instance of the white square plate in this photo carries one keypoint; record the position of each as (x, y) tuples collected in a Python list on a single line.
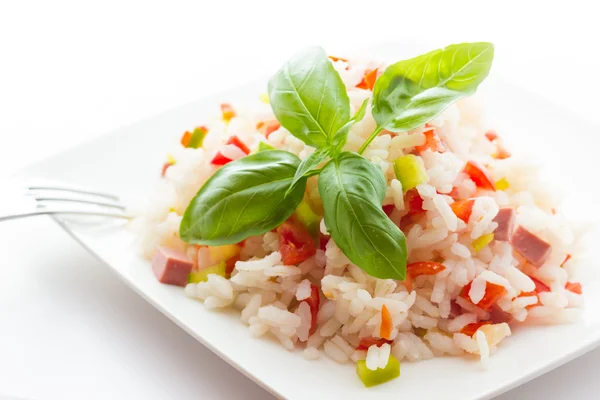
[(128, 162)]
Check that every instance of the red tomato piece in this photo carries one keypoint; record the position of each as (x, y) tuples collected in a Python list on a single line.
[(220, 159), (313, 303), (367, 342), (185, 139), (432, 142), (574, 287), (463, 209), (424, 268), (295, 243), (492, 293), (227, 112), (388, 209), (470, 329), (479, 175), (368, 80)]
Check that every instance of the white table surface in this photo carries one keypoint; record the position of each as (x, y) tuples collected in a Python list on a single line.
[(70, 71)]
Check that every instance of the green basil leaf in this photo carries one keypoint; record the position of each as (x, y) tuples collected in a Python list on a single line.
[(309, 98), (306, 166), (352, 190), (242, 199), (412, 92), (341, 136)]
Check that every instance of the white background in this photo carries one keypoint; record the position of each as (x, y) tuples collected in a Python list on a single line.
[(70, 71)]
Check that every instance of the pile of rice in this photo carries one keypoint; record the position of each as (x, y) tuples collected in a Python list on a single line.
[(268, 294)]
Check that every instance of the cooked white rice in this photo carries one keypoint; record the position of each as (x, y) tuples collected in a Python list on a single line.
[(270, 295)]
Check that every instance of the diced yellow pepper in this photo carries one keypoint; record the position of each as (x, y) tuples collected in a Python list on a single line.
[(223, 253), (409, 172), (202, 275), (170, 159), (482, 241), (264, 98), (380, 375), (502, 184)]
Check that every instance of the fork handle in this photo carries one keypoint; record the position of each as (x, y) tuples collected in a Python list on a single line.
[(64, 212)]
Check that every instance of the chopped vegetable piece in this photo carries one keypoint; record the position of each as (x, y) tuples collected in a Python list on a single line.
[(368, 80), (227, 112), (409, 172), (482, 241), (268, 127), (367, 342), (371, 378), (501, 153), (463, 209), (295, 243), (220, 159), (202, 275), (432, 142), (385, 331), (407, 283), (470, 329), (424, 268), (539, 286), (567, 258), (197, 137), (264, 97), (230, 265), (333, 58), (185, 139), (413, 201), (165, 167), (479, 175), (492, 293), (574, 287), (313, 303), (307, 217), (388, 209), (223, 253), (491, 135), (262, 146), (323, 240), (531, 247), (502, 184)]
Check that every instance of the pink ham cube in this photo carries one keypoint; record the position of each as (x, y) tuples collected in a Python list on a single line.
[(531, 247), (171, 266), (506, 221)]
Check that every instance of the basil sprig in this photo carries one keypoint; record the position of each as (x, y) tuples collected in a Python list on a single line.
[(255, 194)]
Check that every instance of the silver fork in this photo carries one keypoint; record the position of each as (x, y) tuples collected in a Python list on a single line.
[(45, 198)]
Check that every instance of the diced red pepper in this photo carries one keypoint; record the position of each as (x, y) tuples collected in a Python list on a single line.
[(470, 329), (295, 243), (501, 152), (368, 80), (268, 127), (463, 209), (227, 112), (230, 265), (492, 293), (220, 159), (385, 330), (540, 287), (479, 175), (165, 167), (388, 209), (323, 240), (424, 268), (407, 283), (313, 303), (432, 142), (185, 139), (574, 287), (414, 202), (367, 342)]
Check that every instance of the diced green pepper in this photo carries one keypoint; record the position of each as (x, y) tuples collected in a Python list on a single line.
[(202, 275), (197, 137), (409, 172), (381, 375), (263, 146), (307, 217)]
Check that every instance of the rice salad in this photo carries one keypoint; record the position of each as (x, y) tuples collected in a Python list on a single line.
[(478, 243)]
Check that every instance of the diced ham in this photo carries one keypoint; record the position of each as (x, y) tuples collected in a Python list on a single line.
[(171, 266), (506, 221), (531, 247)]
